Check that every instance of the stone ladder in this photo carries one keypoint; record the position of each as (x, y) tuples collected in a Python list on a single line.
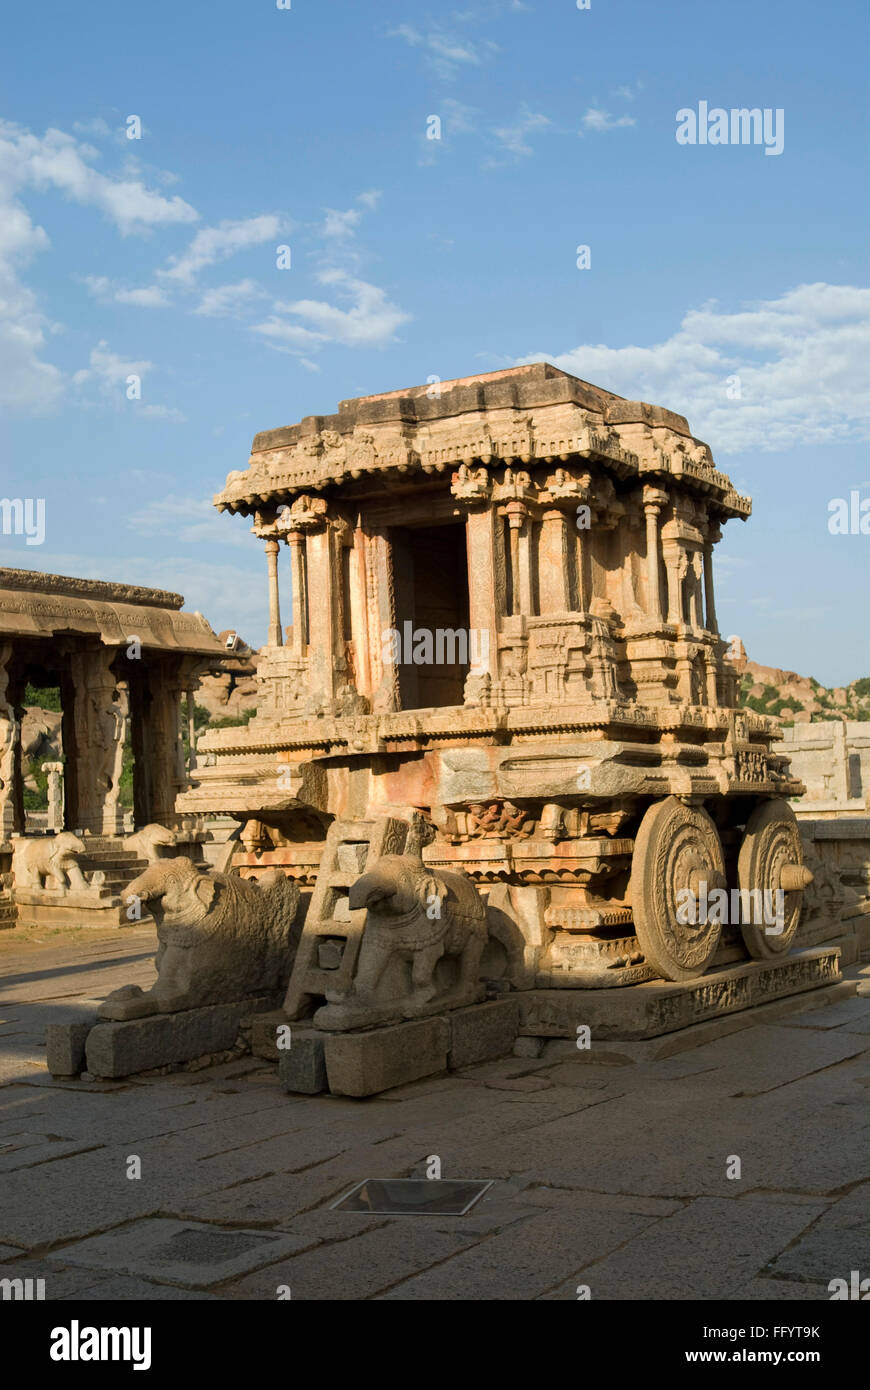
[(332, 934)]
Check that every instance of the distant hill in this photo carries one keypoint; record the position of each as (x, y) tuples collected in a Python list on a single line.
[(795, 699)]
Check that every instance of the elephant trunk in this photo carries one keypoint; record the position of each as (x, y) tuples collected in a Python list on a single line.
[(369, 890)]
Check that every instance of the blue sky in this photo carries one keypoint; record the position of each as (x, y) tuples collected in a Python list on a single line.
[(410, 257)]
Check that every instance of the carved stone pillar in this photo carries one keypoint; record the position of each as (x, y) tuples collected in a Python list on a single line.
[(483, 571), (276, 635), (117, 726), (323, 634), (653, 501), (296, 542), (10, 733), (54, 772), (554, 563), (696, 569), (714, 535), (100, 715), (191, 729), (674, 563), (517, 516)]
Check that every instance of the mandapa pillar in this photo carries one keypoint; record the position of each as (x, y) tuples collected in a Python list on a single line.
[(276, 636), (653, 501), (714, 534)]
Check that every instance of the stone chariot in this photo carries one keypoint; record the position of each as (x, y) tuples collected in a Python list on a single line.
[(504, 637)]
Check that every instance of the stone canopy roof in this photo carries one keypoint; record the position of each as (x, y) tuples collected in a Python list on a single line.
[(33, 604), (522, 415)]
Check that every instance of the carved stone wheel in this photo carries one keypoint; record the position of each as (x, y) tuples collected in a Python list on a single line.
[(677, 848), (771, 857)]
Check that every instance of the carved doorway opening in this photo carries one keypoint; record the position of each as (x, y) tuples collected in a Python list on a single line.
[(436, 648)]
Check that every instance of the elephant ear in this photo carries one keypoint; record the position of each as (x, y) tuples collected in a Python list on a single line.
[(206, 891), (434, 890)]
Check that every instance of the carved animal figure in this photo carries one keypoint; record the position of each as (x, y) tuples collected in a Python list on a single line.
[(418, 915), (221, 937), (148, 841), (50, 862)]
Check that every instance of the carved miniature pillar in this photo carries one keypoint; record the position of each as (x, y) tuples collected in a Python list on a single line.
[(527, 604), (54, 772), (696, 569), (191, 730), (296, 542), (581, 560), (554, 563), (675, 562), (653, 501), (517, 515), (714, 534), (276, 636)]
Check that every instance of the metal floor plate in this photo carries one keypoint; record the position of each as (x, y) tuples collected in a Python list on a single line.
[(414, 1196)]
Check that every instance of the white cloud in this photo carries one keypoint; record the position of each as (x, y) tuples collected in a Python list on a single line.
[(109, 374), (213, 244), (595, 119), (193, 520), (27, 384), (96, 126), (224, 300), (798, 362), (514, 137), (341, 224), (371, 320), (108, 369), (145, 297), (57, 160), (445, 52)]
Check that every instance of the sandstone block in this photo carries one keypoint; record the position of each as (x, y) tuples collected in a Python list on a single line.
[(121, 1049), (65, 1045), (362, 1064), (302, 1066), (483, 1031)]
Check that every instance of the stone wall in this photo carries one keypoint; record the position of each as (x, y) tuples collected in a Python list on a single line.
[(837, 902), (832, 759)]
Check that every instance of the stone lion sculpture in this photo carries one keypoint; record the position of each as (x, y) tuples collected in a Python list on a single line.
[(50, 862), (222, 937), (416, 916)]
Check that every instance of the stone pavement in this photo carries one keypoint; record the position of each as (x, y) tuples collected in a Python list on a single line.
[(610, 1167)]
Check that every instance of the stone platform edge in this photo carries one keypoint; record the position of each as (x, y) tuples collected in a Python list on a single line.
[(366, 1063)]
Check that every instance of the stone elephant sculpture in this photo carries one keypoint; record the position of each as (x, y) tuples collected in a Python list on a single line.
[(150, 841), (222, 937), (50, 862), (415, 915)]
